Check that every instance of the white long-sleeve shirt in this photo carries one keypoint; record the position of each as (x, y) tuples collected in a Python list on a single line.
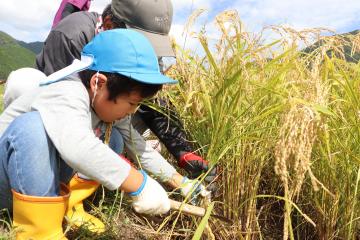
[(69, 122)]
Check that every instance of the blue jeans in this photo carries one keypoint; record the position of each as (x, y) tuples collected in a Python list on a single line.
[(29, 161)]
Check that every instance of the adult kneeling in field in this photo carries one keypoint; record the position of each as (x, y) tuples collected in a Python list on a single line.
[(48, 134)]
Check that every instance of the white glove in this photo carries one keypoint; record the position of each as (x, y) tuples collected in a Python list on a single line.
[(151, 198), (195, 188)]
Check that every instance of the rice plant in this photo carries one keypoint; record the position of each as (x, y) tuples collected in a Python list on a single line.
[(280, 124)]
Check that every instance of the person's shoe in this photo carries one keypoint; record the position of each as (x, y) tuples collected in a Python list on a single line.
[(39, 217), (80, 189)]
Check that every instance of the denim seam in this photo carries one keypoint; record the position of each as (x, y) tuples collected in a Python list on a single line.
[(17, 169)]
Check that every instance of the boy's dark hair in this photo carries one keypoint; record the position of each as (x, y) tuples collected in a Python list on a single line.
[(118, 23), (118, 84)]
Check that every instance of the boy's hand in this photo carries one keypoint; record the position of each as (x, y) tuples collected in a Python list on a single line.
[(196, 165), (150, 198), (195, 188)]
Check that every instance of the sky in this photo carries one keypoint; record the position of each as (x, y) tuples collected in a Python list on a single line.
[(31, 20)]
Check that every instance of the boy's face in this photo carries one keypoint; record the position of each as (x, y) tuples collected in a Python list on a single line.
[(110, 110)]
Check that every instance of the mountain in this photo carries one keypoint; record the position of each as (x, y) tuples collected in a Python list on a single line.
[(13, 55), (35, 47), (349, 43)]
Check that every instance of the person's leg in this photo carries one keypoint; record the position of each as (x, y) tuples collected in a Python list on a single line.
[(116, 141), (81, 187), (31, 171), (29, 162)]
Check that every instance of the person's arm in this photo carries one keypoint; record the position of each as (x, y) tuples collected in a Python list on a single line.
[(66, 41), (138, 150), (64, 109), (82, 5), (58, 52), (171, 133), (69, 9), (152, 161), (167, 128)]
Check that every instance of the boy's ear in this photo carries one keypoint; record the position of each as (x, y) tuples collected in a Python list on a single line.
[(101, 82)]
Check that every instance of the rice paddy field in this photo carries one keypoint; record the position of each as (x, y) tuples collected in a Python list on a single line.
[(283, 127)]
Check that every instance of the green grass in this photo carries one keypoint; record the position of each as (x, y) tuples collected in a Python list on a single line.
[(13, 56)]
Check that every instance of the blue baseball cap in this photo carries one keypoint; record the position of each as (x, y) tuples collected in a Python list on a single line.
[(121, 51)]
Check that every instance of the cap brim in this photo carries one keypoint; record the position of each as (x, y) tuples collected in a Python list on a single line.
[(76, 66), (161, 43), (86, 62), (150, 78)]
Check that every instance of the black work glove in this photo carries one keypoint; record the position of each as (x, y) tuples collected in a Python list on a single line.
[(196, 165)]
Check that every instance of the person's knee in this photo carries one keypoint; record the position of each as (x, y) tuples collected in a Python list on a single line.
[(33, 165), (29, 129), (27, 121), (34, 140)]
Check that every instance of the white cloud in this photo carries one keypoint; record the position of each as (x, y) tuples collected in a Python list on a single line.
[(25, 19), (99, 5), (25, 14), (188, 4), (334, 14), (31, 20), (182, 38), (189, 40)]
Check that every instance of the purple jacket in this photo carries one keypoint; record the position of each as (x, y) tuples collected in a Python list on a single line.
[(83, 5)]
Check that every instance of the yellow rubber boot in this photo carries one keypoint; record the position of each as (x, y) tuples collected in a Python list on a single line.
[(38, 218), (80, 189)]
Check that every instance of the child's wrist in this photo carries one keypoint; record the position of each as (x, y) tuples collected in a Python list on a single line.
[(133, 182), (139, 190)]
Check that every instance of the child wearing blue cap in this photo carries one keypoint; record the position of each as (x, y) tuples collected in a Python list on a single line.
[(47, 134)]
